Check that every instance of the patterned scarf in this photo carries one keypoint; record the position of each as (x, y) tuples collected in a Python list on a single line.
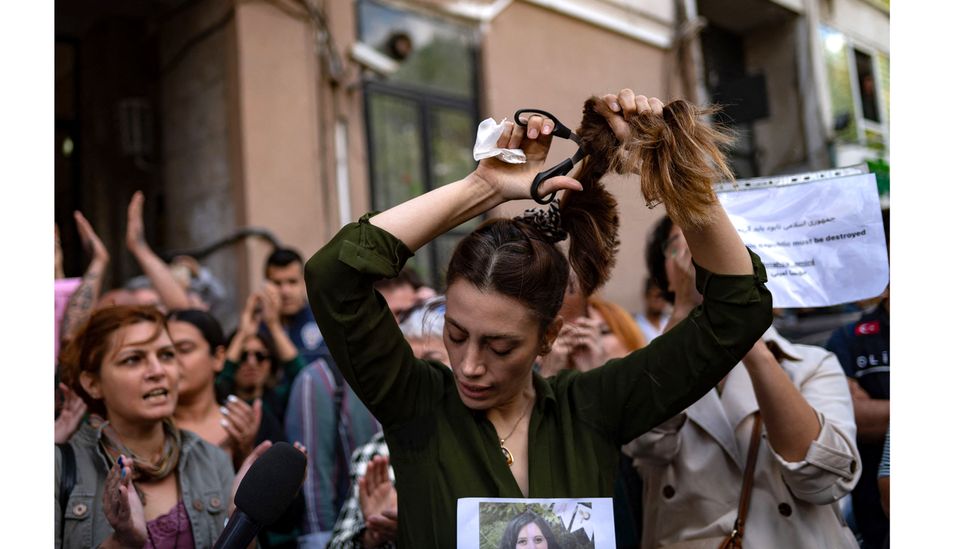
[(143, 468)]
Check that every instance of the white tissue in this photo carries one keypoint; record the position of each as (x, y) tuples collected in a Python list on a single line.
[(484, 145)]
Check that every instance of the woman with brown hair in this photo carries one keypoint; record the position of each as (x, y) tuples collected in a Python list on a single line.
[(491, 427), (138, 478)]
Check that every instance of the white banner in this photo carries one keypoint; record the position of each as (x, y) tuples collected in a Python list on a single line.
[(820, 238), (490, 523)]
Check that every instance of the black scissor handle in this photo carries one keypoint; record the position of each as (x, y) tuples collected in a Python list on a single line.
[(559, 130), (562, 168)]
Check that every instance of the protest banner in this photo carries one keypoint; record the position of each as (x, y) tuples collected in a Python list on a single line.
[(819, 235)]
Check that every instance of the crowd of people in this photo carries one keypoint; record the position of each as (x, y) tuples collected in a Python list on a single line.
[(702, 422)]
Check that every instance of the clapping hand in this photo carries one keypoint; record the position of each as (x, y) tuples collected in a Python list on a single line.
[(241, 421), (587, 341), (250, 317), (378, 501), (90, 240), (270, 299), (135, 232), (681, 274), (72, 410)]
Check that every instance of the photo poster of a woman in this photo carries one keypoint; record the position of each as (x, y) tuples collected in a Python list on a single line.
[(498, 523)]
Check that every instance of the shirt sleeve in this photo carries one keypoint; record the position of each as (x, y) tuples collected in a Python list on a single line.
[(832, 464), (310, 419), (631, 395), (359, 328)]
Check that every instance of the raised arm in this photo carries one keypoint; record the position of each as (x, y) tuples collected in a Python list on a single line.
[(791, 423), (173, 295), (715, 244), (83, 299), (270, 301), (421, 219), (829, 465), (356, 322), (657, 382)]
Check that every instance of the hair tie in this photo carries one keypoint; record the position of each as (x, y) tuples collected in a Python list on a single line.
[(546, 221)]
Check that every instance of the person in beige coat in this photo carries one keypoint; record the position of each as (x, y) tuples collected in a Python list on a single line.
[(693, 464)]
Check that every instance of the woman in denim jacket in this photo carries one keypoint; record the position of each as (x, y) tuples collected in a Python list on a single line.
[(139, 480)]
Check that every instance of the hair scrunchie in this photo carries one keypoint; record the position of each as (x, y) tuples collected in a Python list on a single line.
[(546, 221)]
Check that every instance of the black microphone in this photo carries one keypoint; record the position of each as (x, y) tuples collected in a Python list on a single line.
[(264, 494)]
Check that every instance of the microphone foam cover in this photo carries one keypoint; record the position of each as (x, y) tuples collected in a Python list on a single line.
[(271, 483)]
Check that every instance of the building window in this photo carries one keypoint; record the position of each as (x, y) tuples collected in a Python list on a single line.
[(421, 117), (859, 90)]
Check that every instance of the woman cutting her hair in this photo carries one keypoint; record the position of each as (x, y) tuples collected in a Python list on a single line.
[(491, 427)]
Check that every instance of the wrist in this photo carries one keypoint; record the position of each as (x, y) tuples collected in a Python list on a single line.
[(138, 248), (484, 190)]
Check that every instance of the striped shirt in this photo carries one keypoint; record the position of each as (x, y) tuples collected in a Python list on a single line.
[(311, 420)]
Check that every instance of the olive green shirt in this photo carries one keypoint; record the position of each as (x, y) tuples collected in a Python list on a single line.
[(441, 450)]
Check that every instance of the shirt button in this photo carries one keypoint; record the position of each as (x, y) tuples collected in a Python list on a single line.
[(198, 505), (79, 509), (668, 491), (215, 501), (785, 509)]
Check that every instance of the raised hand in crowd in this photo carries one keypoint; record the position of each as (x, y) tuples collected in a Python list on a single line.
[(588, 351), (83, 299), (73, 410), (269, 298), (681, 276), (122, 508), (241, 421), (173, 295), (378, 501), (247, 326), (58, 255), (578, 346)]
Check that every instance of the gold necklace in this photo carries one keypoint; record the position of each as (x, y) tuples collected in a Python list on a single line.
[(509, 459)]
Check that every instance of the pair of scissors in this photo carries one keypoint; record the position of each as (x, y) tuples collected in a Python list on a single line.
[(559, 130)]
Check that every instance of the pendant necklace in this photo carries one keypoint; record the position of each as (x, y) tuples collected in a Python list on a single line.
[(509, 460)]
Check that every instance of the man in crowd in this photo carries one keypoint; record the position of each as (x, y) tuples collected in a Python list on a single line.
[(864, 352), (284, 270), (657, 310)]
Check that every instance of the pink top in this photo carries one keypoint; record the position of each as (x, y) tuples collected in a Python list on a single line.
[(170, 530), (63, 288)]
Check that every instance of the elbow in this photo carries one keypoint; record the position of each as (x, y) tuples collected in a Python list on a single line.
[(828, 472), (762, 311)]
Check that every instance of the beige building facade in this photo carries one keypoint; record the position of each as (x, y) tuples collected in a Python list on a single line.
[(297, 117)]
